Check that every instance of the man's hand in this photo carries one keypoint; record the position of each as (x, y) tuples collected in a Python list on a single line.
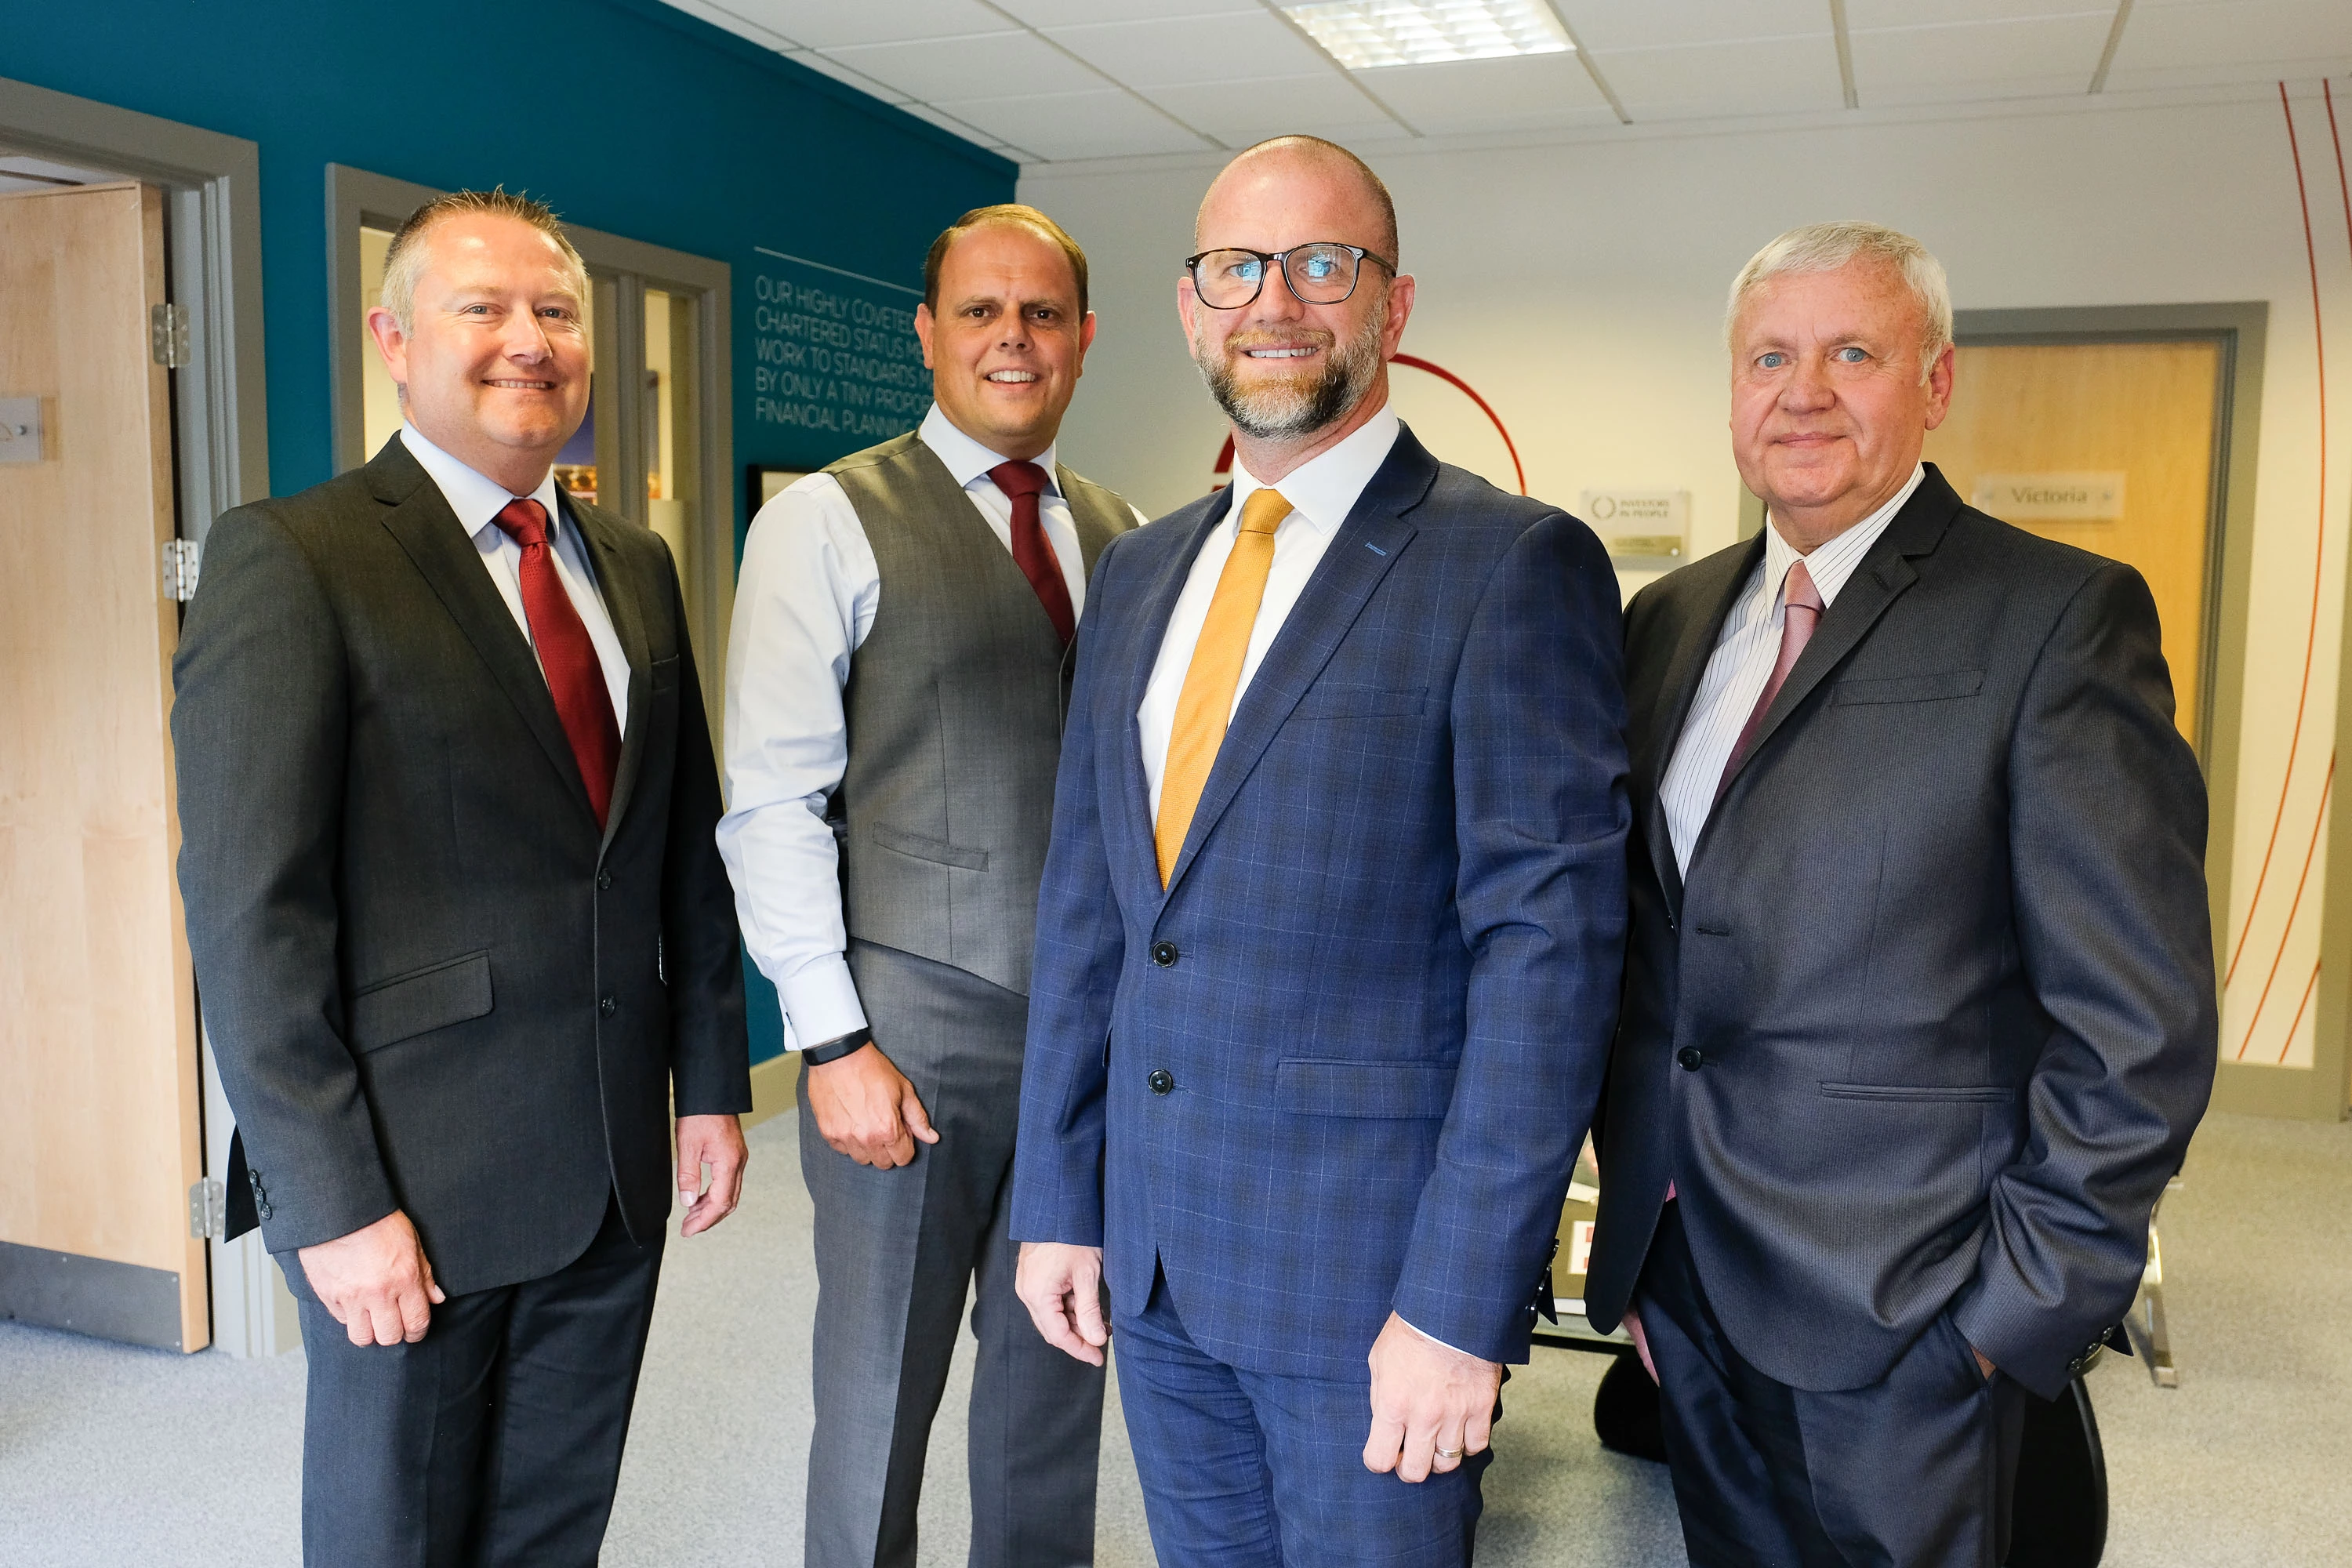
[(375, 1281), (1061, 1287), (1429, 1402), (866, 1109), (716, 1142)]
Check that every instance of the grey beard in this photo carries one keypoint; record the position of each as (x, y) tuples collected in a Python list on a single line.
[(1273, 413)]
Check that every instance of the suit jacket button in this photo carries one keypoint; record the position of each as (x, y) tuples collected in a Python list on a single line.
[(1161, 1080), (603, 878), (607, 1006), (1163, 953), (1691, 1058)]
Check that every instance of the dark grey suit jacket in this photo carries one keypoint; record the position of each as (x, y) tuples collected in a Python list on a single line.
[(1934, 1016), (430, 982)]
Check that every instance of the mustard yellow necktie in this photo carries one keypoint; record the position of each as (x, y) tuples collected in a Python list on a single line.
[(1206, 702)]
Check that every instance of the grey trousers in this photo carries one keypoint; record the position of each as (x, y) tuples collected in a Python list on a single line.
[(896, 1252)]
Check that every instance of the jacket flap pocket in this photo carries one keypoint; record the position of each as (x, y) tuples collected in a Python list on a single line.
[(1389, 1090), (1911, 687), (1925, 1093), (421, 1001), (1341, 699), (937, 851)]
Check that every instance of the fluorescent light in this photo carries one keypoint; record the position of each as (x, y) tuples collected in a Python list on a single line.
[(1363, 35)]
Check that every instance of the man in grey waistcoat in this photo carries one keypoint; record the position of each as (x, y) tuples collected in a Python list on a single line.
[(903, 648)]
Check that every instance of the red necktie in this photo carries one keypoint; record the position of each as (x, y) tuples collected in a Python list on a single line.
[(1021, 483), (1798, 620), (575, 678)]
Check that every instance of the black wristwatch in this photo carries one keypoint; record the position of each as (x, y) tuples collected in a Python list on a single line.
[(824, 1051)]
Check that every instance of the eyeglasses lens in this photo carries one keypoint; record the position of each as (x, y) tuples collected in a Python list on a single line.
[(1319, 274)]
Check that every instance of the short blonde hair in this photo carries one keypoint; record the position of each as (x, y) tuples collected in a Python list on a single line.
[(1826, 247), (403, 262)]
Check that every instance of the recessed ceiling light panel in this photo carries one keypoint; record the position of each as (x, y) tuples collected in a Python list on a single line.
[(1363, 35)]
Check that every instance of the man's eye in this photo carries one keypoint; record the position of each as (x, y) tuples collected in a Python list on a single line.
[(1772, 361), (1852, 356)]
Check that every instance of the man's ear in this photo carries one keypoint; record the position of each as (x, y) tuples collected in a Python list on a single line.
[(924, 325), (1939, 385), (392, 344)]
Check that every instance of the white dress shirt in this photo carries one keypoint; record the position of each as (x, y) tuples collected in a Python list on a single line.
[(1321, 491), (1743, 660), (477, 500), (804, 601)]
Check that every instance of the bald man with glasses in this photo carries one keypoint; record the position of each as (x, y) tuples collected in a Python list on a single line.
[(1329, 941)]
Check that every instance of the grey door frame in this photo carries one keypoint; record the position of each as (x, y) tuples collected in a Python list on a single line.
[(212, 187), (357, 198)]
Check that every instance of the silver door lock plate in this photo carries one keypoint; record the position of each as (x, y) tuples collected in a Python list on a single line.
[(20, 429)]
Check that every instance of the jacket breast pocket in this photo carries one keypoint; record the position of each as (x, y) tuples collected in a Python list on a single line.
[(1339, 699), (421, 1001), (938, 851), (1924, 1093), (1391, 1090), (1932, 688)]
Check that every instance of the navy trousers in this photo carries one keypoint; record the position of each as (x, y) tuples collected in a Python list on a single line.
[(1913, 1471), (1245, 1469), (496, 1439)]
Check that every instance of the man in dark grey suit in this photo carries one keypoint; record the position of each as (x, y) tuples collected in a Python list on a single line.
[(1919, 1007), (896, 682), (460, 930)]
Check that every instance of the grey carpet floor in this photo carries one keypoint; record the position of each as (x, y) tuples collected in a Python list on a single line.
[(111, 1456)]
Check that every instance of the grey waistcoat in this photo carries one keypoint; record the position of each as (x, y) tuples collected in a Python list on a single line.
[(955, 703)]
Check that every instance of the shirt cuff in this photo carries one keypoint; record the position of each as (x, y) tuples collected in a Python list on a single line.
[(1433, 1339), (820, 1002)]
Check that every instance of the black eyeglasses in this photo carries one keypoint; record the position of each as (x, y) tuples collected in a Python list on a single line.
[(1322, 273)]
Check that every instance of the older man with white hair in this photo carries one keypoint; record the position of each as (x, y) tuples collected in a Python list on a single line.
[(1919, 1009)]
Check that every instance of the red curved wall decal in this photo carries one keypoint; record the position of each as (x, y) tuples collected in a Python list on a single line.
[(1226, 453)]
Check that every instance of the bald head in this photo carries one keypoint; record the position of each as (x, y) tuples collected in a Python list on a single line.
[(1288, 166)]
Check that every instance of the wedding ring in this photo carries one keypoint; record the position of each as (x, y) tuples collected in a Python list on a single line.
[(1449, 1453)]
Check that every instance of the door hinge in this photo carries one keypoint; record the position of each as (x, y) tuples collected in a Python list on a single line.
[(181, 561), (167, 335), (207, 1209)]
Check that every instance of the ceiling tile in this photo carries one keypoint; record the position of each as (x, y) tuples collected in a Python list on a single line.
[(830, 24), (1461, 97), (1604, 25), (1977, 59), (1070, 13), (2299, 37), (995, 65), (954, 127), (1765, 77), (1241, 113), (1252, 46), (1104, 124), (846, 76), (1865, 14)]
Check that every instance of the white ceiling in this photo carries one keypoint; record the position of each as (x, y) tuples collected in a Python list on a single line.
[(1053, 80)]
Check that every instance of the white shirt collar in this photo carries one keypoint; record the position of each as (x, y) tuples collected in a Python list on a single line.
[(1324, 489), (967, 459), (1834, 561), (476, 497)]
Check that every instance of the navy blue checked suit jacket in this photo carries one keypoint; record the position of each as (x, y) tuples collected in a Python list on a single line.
[(1382, 980)]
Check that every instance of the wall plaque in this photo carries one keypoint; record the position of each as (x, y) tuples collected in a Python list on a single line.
[(2073, 496)]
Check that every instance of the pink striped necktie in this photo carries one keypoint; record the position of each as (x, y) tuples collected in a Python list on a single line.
[(1798, 623)]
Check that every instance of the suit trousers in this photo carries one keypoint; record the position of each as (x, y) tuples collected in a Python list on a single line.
[(898, 1252), (1245, 1469), (496, 1439), (1915, 1470)]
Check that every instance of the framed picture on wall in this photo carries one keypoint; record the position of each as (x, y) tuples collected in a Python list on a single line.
[(762, 484)]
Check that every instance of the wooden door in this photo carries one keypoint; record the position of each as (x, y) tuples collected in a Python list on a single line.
[(2107, 447), (99, 1069)]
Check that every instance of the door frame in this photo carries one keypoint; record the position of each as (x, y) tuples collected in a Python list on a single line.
[(356, 197), (2240, 328), (220, 413)]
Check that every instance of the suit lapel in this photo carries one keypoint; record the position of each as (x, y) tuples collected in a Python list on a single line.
[(1676, 692), (1884, 572), (1358, 556), (429, 534), (1160, 598), (629, 625)]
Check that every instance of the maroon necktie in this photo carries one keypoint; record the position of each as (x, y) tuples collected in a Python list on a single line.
[(1022, 484), (575, 678), (1797, 621)]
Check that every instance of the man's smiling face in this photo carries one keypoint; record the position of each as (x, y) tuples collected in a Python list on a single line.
[(494, 364)]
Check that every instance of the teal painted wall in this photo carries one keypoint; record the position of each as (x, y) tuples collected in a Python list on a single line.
[(626, 115)]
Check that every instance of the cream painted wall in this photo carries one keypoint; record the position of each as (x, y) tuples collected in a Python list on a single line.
[(1579, 287)]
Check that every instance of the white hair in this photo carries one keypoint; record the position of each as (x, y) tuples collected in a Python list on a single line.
[(1826, 247)]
